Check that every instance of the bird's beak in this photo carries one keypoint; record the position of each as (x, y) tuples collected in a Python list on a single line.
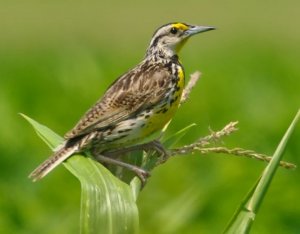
[(197, 29)]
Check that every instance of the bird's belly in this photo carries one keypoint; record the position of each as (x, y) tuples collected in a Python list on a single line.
[(141, 128), (138, 129)]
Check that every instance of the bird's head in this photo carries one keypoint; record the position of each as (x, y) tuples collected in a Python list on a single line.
[(169, 38)]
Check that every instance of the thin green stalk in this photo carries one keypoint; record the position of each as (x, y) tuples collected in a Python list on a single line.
[(244, 217)]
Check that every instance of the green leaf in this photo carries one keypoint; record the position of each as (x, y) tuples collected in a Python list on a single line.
[(46, 134), (245, 215), (172, 140), (108, 205), (136, 186)]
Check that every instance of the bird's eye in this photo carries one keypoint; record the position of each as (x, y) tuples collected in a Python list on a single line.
[(173, 30)]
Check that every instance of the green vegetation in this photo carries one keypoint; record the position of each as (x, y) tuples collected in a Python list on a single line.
[(108, 205), (58, 57)]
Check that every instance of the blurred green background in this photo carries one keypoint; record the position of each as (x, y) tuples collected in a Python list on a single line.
[(58, 57)]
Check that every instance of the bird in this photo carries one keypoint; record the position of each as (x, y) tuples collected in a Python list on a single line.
[(135, 106)]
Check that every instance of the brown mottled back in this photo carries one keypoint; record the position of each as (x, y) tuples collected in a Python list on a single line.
[(131, 93)]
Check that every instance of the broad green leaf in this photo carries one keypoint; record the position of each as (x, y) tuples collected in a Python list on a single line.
[(46, 134), (107, 204), (245, 215)]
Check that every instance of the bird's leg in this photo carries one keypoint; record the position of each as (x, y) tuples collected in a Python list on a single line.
[(160, 149), (152, 145), (122, 151), (111, 157), (141, 173)]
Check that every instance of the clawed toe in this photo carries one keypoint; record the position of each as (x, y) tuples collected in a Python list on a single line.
[(142, 174)]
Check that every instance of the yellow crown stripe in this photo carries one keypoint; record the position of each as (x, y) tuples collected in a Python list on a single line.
[(180, 26)]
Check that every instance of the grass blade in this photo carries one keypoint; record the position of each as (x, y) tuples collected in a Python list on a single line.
[(46, 134), (244, 217), (107, 204), (174, 139)]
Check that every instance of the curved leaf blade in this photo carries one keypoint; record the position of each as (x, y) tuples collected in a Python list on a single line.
[(108, 205), (46, 134)]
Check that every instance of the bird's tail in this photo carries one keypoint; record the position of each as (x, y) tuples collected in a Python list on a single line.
[(57, 158)]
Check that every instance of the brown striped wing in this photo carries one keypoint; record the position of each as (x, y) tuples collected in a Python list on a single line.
[(131, 93)]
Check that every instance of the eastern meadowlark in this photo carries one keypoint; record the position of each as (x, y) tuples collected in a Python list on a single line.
[(138, 104)]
